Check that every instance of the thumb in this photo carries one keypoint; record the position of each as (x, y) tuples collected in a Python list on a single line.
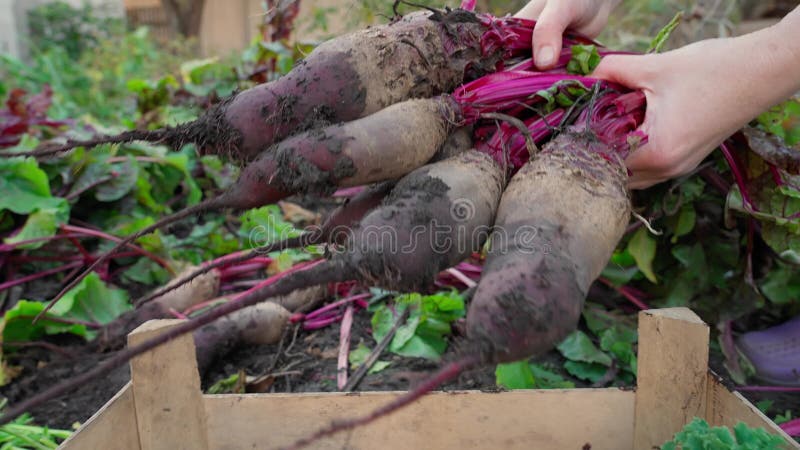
[(547, 34), (628, 70)]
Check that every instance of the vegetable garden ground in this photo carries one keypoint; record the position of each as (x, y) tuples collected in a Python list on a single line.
[(699, 244)]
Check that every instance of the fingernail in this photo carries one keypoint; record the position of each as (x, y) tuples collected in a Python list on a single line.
[(545, 56)]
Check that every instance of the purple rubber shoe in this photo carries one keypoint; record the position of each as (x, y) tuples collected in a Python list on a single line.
[(775, 353)]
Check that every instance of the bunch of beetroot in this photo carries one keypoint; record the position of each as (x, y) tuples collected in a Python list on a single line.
[(442, 113)]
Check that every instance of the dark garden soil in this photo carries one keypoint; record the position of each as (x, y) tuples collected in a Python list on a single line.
[(305, 361)]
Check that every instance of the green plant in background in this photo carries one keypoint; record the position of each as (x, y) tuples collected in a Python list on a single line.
[(72, 29)]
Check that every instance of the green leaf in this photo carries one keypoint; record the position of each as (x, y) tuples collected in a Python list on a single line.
[(423, 346), (618, 275), (699, 435), (125, 179), (423, 333), (619, 342), (358, 355), (24, 186), (18, 323), (546, 379), (406, 331), (226, 385), (591, 372), (642, 247), (147, 272), (578, 347), (781, 285), (686, 221), (182, 162), (585, 59), (266, 224), (382, 321), (783, 120), (661, 38), (764, 406), (42, 223), (516, 375), (91, 300), (26, 190)]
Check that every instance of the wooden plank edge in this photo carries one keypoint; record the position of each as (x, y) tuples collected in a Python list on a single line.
[(544, 419), (726, 407), (89, 434)]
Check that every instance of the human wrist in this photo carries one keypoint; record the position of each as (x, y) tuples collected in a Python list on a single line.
[(766, 65)]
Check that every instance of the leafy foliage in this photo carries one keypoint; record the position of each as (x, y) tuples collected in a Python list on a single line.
[(698, 435), (73, 29), (525, 375), (359, 355), (423, 334), (21, 433), (90, 301)]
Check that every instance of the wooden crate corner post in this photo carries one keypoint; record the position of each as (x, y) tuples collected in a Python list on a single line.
[(671, 374), (170, 412)]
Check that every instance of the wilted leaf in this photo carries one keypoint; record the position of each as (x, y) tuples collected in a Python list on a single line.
[(773, 149)]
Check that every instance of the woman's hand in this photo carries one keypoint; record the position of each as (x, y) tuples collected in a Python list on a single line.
[(554, 16), (700, 94)]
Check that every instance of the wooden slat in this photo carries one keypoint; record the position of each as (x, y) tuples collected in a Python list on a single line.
[(166, 391), (726, 408), (672, 374), (112, 426), (540, 419)]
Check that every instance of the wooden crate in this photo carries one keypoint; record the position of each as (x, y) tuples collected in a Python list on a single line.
[(163, 408)]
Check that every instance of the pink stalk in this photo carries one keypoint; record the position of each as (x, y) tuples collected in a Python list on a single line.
[(461, 277), (320, 323), (233, 285), (202, 305), (240, 270), (10, 247), (768, 389), (19, 259), (178, 314), (349, 192), (99, 234), (738, 176), (296, 268), (776, 175), (792, 427), (623, 291), (468, 267), (11, 283), (344, 347), (334, 305), (87, 257), (503, 90)]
